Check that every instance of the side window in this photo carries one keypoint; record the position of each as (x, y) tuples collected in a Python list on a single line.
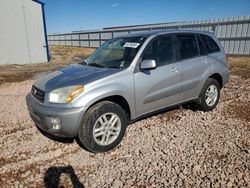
[(161, 49), (210, 44), (187, 46), (202, 47)]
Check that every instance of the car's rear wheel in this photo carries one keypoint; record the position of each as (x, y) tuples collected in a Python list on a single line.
[(209, 95), (103, 127)]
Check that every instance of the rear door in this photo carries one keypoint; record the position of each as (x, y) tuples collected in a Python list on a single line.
[(194, 66), (213, 51), (159, 87)]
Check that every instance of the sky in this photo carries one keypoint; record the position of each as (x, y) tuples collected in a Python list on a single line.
[(72, 15)]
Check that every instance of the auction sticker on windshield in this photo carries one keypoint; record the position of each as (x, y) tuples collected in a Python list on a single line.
[(131, 45)]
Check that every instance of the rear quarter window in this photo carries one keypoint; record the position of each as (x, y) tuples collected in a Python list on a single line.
[(210, 44), (202, 46)]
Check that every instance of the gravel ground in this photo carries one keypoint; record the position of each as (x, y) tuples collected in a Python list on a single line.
[(176, 148)]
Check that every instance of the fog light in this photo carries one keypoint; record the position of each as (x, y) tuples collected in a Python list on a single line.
[(56, 127), (55, 120), (56, 123)]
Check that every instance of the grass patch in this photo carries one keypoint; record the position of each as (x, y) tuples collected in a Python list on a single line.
[(239, 65), (62, 56), (69, 55)]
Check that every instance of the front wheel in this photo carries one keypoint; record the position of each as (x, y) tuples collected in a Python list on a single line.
[(209, 95), (103, 127)]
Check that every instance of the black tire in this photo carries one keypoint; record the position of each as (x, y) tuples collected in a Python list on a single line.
[(201, 103), (85, 132)]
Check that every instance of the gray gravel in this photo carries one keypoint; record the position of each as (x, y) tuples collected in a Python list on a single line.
[(173, 149)]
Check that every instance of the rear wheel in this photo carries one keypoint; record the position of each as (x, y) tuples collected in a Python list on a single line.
[(103, 127), (209, 96)]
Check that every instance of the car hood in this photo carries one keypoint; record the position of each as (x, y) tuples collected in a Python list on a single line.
[(72, 75)]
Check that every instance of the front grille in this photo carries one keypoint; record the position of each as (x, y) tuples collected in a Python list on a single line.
[(37, 93)]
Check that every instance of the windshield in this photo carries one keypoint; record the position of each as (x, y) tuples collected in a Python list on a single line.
[(116, 53)]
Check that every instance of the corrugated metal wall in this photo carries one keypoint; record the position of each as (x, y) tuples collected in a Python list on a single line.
[(233, 33), (22, 32)]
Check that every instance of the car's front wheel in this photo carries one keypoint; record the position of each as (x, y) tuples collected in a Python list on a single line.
[(209, 95), (103, 127)]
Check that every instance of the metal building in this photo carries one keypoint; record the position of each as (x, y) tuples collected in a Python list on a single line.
[(233, 33), (23, 32)]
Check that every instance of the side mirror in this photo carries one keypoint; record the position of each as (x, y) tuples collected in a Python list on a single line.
[(148, 64)]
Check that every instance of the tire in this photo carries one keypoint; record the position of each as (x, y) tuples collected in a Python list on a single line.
[(202, 102), (94, 123)]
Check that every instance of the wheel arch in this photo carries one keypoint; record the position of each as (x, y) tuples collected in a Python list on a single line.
[(217, 77), (117, 99)]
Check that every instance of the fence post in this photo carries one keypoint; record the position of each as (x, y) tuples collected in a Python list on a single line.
[(79, 40), (89, 39), (245, 44), (213, 28), (100, 39), (71, 40)]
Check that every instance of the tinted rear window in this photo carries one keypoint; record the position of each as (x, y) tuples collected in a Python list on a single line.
[(210, 44), (202, 47), (187, 46)]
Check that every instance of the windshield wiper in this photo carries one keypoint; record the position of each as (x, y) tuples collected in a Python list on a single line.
[(114, 67), (83, 63), (96, 65)]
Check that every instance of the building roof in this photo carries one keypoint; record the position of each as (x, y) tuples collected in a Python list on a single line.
[(39, 2)]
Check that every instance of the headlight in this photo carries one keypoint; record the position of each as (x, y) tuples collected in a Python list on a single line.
[(65, 94)]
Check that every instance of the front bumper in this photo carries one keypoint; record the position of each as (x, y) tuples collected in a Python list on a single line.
[(69, 119)]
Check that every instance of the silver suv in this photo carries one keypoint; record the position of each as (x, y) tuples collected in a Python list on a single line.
[(128, 78)]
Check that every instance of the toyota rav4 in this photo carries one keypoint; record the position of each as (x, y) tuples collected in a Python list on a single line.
[(128, 78)]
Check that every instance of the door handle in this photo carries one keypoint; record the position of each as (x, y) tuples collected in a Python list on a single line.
[(174, 69), (204, 61)]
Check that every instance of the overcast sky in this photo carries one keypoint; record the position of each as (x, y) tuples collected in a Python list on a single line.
[(71, 15)]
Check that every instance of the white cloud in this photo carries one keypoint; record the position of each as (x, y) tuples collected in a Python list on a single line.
[(115, 5)]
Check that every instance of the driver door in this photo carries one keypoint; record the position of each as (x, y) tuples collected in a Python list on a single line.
[(159, 87)]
